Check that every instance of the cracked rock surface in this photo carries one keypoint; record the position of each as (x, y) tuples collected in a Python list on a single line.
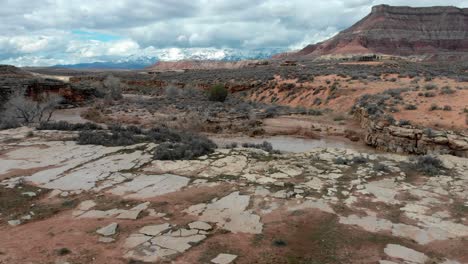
[(117, 204)]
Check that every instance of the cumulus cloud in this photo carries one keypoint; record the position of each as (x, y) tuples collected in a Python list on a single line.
[(45, 28)]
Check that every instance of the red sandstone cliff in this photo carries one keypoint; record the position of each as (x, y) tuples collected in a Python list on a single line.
[(400, 31)]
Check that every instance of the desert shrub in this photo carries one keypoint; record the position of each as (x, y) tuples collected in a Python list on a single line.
[(428, 165), (428, 78), (287, 86), (339, 118), (411, 107), (341, 161), (20, 110), (390, 119), (190, 92), (185, 150), (434, 107), (317, 101), (7, 122), (404, 122), (265, 146), (113, 87), (429, 94), (396, 93), (272, 111), (381, 167), (429, 132), (63, 251), (447, 108), (218, 93), (430, 86), (314, 112), (171, 92), (447, 90), (65, 126), (394, 109), (108, 139), (173, 144), (232, 145), (359, 160), (163, 134)]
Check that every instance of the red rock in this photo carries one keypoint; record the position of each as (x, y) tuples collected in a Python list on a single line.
[(400, 31)]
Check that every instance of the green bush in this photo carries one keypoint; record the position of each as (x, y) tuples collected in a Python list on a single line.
[(218, 93)]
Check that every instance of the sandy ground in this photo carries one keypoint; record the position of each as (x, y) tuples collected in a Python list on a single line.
[(349, 91)]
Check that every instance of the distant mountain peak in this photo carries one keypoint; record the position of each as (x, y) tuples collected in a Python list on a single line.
[(140, 61)]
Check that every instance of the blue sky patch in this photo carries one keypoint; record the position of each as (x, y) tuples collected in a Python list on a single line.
[(89, 35)]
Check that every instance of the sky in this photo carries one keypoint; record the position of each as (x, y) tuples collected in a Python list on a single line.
[(50, 32)]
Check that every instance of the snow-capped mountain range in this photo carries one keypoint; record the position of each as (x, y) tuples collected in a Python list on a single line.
[(139, 61)]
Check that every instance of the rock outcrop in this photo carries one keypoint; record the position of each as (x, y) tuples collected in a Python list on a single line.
[(400, 31), (407, 139), (14, 79)]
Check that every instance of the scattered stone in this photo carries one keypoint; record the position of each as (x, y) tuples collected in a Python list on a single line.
[(200, 226), (86, 205), (109, 230), (155, 230), (224, 259), (14, 222), (26, 217), (386, 262), (129, 214), (106, 240)]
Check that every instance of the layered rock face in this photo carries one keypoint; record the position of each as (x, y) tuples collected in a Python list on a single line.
[(406, 139), (400, 31)]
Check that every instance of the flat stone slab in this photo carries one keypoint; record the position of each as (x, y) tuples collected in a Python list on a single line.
[(109, 230), (224, 259), (229, 213), (154, 230), (404, 253), (156, 242), (14, 222), (106, 240), (179, 244), (200, 225), (86, 205), (147, 186), (129, 214)]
